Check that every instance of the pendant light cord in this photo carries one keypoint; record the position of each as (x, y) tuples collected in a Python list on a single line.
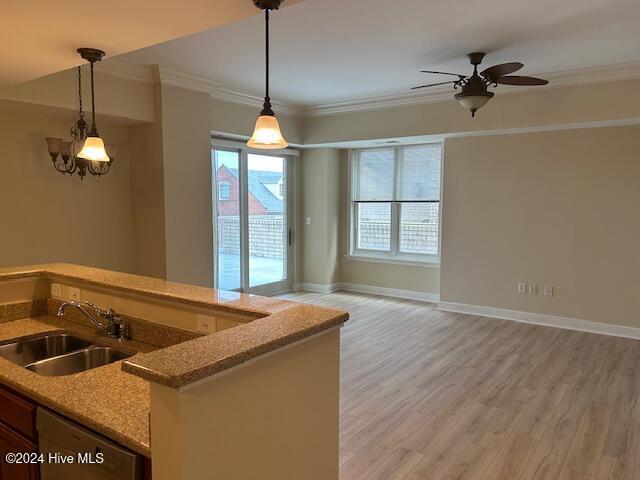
[(80, 111), (267, 110), (266, 19), (93, 105)]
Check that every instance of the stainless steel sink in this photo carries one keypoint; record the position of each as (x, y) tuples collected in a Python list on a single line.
[(78, 361), (25, 352)]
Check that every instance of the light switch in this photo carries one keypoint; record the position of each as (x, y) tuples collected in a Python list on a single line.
[(308, 221), (548, 290), (522, 288), (533, 289)]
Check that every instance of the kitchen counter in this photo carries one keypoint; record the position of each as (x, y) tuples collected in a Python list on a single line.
[(115, 400), (105, 399), (277, 323)]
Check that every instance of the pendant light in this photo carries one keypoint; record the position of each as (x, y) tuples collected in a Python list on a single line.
[(65, 154), (266, 134), (93, 148)]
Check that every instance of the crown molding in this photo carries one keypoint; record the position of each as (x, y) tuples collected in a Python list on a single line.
[(218, 90), (129, 71), (581, 76)]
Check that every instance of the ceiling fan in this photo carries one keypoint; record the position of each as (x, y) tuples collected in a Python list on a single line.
[(474, 89)]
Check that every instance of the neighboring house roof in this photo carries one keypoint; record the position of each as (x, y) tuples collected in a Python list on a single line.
[(257, 181)]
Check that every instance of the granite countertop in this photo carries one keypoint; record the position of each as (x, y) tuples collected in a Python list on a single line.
[(277, 322), (232, 302), (105, 399)]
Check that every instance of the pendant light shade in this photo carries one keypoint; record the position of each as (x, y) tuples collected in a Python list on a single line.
[(267, 134), (93, 149)]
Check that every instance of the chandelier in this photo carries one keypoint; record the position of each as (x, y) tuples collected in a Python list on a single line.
[(85, 151)]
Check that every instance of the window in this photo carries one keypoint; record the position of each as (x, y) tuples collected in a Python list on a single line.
[(223, 191), (395, 203)]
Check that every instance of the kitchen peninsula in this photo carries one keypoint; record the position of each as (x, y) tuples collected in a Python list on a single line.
[(216, 384)]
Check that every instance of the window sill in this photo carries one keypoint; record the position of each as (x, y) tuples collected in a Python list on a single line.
[(393, 261)]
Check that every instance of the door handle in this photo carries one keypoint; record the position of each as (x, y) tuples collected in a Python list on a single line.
[(290, 237)]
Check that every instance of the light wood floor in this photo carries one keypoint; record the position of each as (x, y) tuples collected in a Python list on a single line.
[(434, 395)]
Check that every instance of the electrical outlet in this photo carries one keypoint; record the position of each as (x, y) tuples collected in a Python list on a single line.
[(522, 287), (205, 323), (74, 294), (533, 289), (56, 290), (548, 290)]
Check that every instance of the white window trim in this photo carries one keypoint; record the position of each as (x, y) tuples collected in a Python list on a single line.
[(394, 256)]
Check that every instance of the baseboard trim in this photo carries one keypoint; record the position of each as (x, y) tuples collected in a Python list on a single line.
[(319, 288), (373, 290), (390, 292), (555, 321)]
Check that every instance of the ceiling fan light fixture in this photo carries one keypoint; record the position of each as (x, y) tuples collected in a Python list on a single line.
[(473, 101), (474, 88)]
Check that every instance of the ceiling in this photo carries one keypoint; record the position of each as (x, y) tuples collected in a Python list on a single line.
[(326, 51), (40, 37)]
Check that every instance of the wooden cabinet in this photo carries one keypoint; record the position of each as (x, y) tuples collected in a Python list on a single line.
[(17, 435), (13, 442)]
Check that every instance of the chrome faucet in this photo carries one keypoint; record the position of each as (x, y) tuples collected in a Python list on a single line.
[(115, 326)]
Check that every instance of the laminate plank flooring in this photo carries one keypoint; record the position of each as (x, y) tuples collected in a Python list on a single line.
[(430, 395)]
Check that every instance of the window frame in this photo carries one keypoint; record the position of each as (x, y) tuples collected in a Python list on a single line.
[(394, 255)]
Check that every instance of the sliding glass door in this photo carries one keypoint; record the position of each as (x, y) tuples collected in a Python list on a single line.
[(252, 227)]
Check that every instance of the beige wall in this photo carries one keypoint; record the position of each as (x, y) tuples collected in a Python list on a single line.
[(272, 419), (320, 203), (556, 208), (188, 212), (119, 97), (48, 217), (544, 107), (423, 279), (147, 183)]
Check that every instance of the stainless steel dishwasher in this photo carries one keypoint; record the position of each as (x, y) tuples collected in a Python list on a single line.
[(72, 452)]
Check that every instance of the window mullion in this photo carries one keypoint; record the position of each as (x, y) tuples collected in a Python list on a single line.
[(395, 228), (395, 205)]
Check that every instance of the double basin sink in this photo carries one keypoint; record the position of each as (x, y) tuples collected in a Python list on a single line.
[(57, 354)]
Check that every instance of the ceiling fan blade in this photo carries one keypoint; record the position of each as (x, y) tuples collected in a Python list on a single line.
[(518, 80), (502, 69), (443, 73), (433, 84)]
